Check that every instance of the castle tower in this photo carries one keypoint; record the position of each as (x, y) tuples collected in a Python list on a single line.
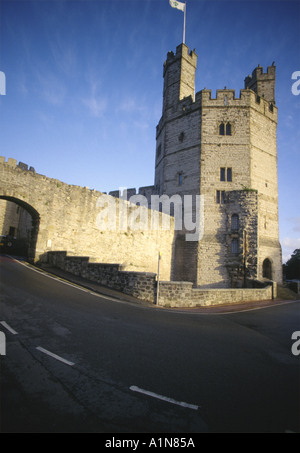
[(263, 84), (263, 172), (172, 157), (177, 147), (179, 76), (224, 149)]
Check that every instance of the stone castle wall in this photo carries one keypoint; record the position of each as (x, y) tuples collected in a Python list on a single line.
[(67, 217), (14, 218)]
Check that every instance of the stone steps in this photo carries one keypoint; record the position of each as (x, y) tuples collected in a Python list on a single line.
[(286, 293)]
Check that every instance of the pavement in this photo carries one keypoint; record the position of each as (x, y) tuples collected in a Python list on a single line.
[(221, 308), (75, 362)]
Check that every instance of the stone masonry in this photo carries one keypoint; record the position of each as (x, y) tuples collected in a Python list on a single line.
[(66, 217), (215, 147)]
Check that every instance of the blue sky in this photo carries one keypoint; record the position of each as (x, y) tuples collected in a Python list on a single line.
[(84, 83)]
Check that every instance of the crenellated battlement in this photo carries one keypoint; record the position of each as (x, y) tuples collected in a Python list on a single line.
[(179, 76), (14, 163), (223, 97), (227, 98), (126, 194), (259, 74), (263, 83), (182, 51)]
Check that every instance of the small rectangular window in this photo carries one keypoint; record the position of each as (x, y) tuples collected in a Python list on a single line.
[(234, 222), (180, 179), (229, 174), (222, 174), (220, 196), (223, 197), (235, 246), (228, 129)]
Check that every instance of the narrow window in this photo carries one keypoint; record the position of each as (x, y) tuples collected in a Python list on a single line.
[(222, 129), (228, 129), (180, 177), (229, 174), (220, 196), (235, 246), (234, 222), (223, 197), (222, 174)]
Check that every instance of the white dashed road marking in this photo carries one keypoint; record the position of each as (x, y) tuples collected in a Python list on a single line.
[(10, 329), (164, 398), (55, 356)]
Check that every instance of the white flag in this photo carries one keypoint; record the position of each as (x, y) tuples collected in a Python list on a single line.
[(177, 5)]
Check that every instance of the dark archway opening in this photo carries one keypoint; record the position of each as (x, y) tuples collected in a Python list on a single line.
[(267, 269), (19, 227)]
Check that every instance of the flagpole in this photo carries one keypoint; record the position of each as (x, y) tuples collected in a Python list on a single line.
[(184, 22)]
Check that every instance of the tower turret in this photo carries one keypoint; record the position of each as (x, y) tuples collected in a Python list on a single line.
[(263, 84), (179, 76)]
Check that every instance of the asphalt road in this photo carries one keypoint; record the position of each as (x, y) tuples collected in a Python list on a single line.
[(130, 368)]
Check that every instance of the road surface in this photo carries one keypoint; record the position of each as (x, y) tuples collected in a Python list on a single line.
[(77, 361)]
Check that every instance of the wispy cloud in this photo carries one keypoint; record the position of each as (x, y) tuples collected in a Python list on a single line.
[(64, 54), (95, 102), (50, 88), (95, 105), (130, 105)]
